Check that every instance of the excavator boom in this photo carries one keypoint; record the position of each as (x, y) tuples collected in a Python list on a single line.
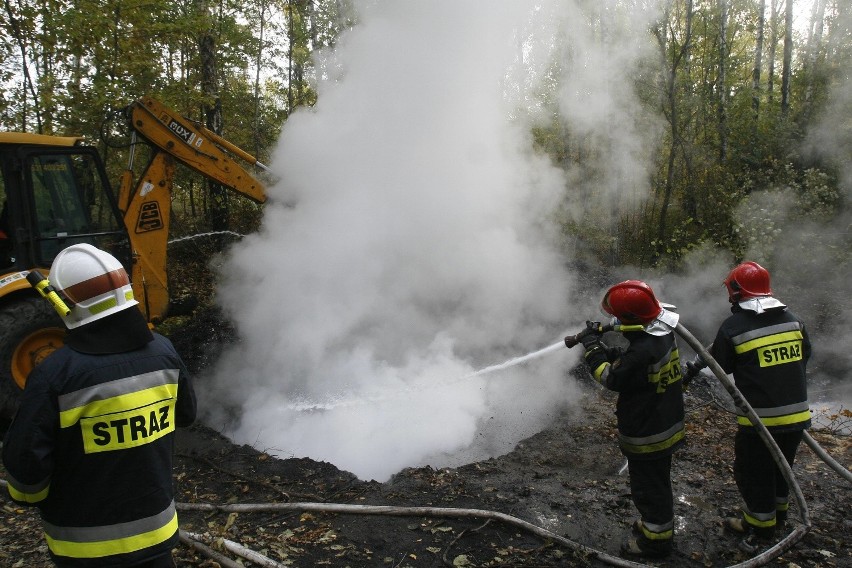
[(194, 146), (146, 204)]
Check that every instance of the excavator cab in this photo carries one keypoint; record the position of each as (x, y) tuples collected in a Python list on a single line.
[(54, 194)]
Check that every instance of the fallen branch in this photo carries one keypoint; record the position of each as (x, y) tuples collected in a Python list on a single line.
[(236, 474), (223, 560), (455, 540), (239, 550)]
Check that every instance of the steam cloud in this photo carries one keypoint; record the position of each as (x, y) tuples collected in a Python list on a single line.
[(409, 244), (410, 240)]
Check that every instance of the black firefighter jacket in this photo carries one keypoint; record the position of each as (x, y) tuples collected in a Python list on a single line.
[(649, 409), (92, 446), (767, 354)]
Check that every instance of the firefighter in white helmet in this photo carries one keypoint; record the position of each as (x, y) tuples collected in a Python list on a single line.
[(92, 443)]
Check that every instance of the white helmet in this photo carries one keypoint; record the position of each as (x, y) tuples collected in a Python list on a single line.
[(93, 281)]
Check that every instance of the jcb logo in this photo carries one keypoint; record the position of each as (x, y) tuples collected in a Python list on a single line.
[(129, 429), (150, 218), (780, 353)]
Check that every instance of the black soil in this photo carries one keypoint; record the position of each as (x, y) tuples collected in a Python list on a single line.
[(564, 483)]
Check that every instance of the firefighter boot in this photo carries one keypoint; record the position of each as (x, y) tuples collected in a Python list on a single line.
[(637, 544), (754, 538)]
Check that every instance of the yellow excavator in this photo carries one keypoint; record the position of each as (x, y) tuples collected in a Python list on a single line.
[(55, 193)]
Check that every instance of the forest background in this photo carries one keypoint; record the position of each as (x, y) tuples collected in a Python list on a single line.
[(738, 84)]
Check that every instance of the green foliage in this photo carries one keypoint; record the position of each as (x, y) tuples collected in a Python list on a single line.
[(88, 58)]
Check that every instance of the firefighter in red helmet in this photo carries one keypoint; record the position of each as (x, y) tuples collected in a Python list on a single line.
[(649, 409), (766, 348)]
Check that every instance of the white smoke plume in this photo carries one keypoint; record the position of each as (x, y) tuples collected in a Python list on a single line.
[(797, 231), (410, 241)]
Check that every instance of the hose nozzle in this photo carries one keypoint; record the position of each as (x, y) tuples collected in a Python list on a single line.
[(592, 327)]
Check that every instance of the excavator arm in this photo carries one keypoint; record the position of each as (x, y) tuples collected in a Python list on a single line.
[(146, 203)]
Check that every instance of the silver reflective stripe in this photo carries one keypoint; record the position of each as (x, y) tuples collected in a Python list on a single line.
[(655, 438), (111, 532), (761, 516), (658, 528), (655, 368), (605, 375), (765, 331), (779, 410), (761, 304), (117, 388), (30, 488)]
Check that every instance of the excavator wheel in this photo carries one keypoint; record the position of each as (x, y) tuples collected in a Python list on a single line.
[(30, 330)]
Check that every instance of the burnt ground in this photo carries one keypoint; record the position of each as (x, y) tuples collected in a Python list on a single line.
[(564, 479)]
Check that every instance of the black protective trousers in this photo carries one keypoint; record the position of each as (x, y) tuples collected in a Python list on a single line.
[(651, 489), (759, 480)]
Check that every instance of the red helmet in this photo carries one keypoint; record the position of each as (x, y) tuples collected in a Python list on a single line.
[(632, 302), (747, 280)]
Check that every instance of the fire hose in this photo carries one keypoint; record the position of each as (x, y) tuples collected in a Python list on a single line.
[(786, 471), (773, 552), (592, 328)]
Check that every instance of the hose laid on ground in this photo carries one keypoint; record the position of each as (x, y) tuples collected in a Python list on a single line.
[(785, 544), (824, 456), (445, 512), (773, 552)]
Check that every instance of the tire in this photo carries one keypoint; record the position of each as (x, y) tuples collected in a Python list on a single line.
[(30, 330)]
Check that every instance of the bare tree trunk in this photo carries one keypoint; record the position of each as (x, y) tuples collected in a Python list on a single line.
[(258, 67), (722, 81), (786, 68), (672, 111), (758, 62), (212, 112), (289, 57), (27, 79), (814, 46), (773, 42)]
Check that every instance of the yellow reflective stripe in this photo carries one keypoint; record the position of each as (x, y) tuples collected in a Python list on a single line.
[(111, 302), (655, 447), (118, 403), (599, 371), (768, 340), (632, 327), (669, 373), (755, 522), (780, 353), (127, 429), (99, 549), (665, 535), (26, 497), (654, 531), (787, 419)]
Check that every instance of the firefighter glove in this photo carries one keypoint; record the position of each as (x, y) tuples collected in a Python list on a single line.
[(596, 353), (590, 340), (692, 369)]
